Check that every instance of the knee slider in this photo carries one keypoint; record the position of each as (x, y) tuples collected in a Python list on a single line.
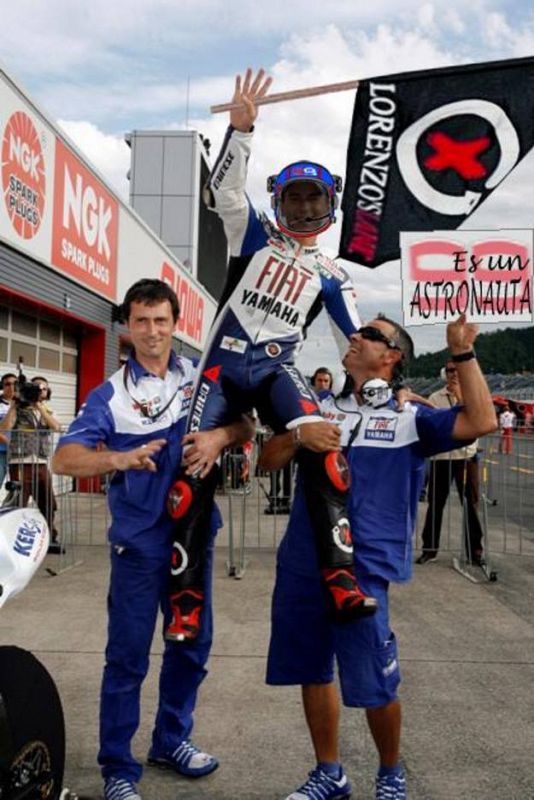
[(337, 470), (179, 499)]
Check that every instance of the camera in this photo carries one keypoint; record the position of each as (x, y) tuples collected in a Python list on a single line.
[(28, 393)]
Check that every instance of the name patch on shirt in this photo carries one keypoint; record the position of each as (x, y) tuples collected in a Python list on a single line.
[(382, 428), (233, 344)]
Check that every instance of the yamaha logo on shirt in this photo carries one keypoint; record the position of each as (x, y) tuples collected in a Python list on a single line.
[(381, 428)]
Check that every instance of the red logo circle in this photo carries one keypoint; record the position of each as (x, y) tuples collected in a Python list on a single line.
[(23, 175)]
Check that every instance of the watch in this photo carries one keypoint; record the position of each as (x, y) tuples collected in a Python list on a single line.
[(464, 357)]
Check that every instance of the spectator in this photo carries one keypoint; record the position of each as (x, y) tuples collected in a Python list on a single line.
[(139, 414), (32, 422), (507, 421), (322, 382), (8, 384), (386, 450), (461, 466)]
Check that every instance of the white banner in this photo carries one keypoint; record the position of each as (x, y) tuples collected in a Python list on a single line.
[(487, 275)]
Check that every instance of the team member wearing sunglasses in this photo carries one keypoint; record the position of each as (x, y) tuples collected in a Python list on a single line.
[(278, 281), (386, 450)]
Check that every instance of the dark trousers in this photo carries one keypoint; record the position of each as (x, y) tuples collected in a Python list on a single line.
[(138, 589), (464, 472)]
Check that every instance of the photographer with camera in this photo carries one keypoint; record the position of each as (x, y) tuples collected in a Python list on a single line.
[(31, 422), (8, 383)]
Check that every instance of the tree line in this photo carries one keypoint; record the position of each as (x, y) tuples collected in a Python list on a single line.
[(509, 352)]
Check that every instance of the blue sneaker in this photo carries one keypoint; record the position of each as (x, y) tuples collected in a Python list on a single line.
[(321, 786), (391, 787), (120, 789), (187, 760)]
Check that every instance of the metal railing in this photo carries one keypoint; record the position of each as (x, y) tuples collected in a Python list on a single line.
[(255, 505)]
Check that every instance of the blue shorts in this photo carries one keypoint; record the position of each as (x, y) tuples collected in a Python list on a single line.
[(305, 643)]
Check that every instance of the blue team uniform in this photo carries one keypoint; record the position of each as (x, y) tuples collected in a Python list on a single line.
[(141, 534), (386, 450)]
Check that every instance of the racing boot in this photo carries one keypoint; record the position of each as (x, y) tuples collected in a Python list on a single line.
[(186, 609), (326, 482)]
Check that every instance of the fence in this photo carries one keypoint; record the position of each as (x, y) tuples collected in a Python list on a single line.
[(254, 505)]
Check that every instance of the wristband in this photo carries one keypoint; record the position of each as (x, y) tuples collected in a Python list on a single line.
[(296, 437), (464, 357)]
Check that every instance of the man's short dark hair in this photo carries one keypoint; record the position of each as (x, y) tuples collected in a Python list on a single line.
[(7, 375), (404, 342), (322, 371), (39, 378), (149, 291)]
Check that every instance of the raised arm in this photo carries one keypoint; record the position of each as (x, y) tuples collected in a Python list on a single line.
[(225, 190), (477, 417)]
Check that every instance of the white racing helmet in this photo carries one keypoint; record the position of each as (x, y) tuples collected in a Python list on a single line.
[(24, 538)]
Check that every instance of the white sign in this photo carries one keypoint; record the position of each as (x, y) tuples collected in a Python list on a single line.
[(486, 275)]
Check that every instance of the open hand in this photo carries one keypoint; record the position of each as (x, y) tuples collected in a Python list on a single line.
[(201, 451), (139, 457), (247, 91)]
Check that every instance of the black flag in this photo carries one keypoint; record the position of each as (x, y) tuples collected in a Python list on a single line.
[(426, 149)]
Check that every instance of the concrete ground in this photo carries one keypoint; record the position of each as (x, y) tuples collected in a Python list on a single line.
[(467, 656)]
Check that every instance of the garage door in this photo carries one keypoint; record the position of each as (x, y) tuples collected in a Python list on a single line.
[(48, 348)]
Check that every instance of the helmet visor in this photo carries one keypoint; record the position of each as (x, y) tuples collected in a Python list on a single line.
[(305, 206)]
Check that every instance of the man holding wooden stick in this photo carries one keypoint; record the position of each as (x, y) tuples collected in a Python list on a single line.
[(277, 283)]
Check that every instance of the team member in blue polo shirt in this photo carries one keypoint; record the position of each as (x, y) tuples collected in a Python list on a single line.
[(139, 415), (386, 448)]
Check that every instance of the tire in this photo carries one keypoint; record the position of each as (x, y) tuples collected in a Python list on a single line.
[(32, 729)]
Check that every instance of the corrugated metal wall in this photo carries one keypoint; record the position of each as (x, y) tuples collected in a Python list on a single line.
[(31, 279)]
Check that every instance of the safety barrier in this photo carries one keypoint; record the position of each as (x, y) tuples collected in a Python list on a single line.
[(255, 505)]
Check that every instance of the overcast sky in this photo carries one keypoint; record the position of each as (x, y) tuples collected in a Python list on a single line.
[(105, 68)]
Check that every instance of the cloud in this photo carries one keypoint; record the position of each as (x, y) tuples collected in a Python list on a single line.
[(106, 71), (109, 154)]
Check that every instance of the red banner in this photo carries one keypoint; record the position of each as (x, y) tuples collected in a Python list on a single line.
[(85, 225)]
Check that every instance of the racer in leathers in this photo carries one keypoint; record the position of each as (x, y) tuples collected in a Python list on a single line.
[(277, 283)]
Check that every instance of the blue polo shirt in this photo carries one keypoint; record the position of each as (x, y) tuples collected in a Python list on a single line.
[(113, 416), (386, 450)]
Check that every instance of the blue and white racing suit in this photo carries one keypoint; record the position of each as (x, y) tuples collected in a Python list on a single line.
[(275, 287), (141, 535)]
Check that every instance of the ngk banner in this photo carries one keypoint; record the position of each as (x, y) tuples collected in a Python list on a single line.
[(486, 275), (27, 151), (84, 235)]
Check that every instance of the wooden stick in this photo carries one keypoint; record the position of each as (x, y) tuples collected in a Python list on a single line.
[(296, 94)]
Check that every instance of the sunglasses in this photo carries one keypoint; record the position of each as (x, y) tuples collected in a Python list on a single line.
[(375, 335)]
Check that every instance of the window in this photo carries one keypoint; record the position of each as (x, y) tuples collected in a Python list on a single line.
[(70, 340), (21, 323), (28, 352), (70, 363), (48, 359), (50, 332)]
